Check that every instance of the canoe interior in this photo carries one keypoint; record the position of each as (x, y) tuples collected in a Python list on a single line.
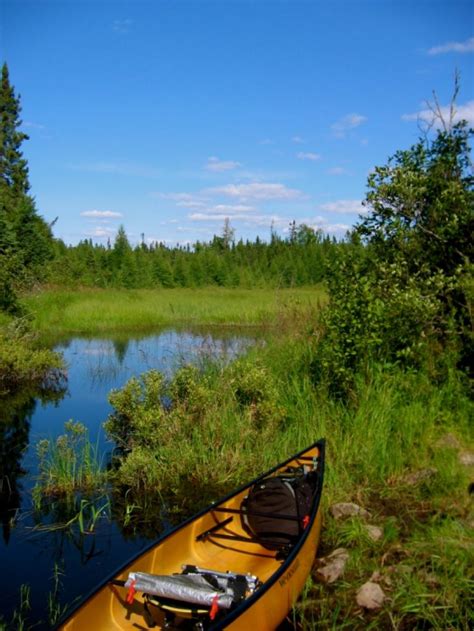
[(107, 607)]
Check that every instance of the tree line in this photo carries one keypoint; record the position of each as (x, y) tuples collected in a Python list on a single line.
[(301, 259)]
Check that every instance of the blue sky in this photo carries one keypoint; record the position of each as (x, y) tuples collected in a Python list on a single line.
[(169, 116)]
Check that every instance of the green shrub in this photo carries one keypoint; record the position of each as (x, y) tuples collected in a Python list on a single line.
[(23, 365)]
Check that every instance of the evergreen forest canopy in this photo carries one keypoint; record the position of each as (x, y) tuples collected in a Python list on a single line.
[(301, 259)]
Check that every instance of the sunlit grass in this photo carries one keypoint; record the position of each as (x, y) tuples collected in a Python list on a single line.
[(96, 311)]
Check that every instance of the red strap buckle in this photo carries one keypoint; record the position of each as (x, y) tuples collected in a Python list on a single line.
[(131, 592), (305, 521), (214, 607)]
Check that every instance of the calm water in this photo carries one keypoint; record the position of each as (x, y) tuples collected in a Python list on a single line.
[(27, 554)]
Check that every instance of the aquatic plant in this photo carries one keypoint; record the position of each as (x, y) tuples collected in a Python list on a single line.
[(68, 464)]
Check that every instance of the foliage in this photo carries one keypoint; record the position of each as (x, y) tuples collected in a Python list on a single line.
[(300, 260), (179, 432), (25, 238), (404, 298), (21, 365)]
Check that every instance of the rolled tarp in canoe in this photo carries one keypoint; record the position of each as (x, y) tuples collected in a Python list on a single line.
[(190, 588)]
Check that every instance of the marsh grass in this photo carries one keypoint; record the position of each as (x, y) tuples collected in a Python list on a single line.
[(68, 464), (96, 311)]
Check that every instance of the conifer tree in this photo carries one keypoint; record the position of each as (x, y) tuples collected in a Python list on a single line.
[(25, 238)]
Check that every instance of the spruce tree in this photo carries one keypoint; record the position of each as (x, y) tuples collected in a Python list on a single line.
[(25, 238), (13, 167)]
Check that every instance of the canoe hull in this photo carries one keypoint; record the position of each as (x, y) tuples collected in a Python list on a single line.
[(229, 549)]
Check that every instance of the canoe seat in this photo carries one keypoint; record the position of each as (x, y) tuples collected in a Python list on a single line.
[(194, 594)]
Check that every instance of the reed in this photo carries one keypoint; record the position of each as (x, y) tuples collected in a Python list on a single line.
[(68, 464), (90, 311)]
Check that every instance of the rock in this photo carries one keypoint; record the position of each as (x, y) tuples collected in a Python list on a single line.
[(448, 440), (466, 458), (375, 533), (370, 596), (347, 509), (412, 479), (378, 577), (332, 567)]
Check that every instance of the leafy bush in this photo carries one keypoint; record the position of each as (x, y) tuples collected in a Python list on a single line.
[(199, 415), (403, 293), (21, 364)]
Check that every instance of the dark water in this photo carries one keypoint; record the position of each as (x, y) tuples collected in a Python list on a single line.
[(29, 554)]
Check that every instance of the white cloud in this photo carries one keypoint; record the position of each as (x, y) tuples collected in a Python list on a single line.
[(218, 166), (453, 47), (298, 140), (184, 200), (222, 211), (343, 206), (101, 233), (232, 208), (302, 155), (346, 123), (461, 112), (104, 214), (321, 223), (250, 220), (337, 171), (257, 190)]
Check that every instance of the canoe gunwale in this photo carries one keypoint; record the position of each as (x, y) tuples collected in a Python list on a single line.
[(248, 602), (292, 556)]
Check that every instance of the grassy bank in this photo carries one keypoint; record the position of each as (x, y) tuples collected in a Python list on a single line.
[(400, 450), (95, 311)]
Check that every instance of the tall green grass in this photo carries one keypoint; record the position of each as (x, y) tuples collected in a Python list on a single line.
[(230, 423), (96, 311), (68, 464)]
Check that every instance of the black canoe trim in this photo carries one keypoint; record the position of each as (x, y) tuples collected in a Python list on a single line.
[(248, 602)]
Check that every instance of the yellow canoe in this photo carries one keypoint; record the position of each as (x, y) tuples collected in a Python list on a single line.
[(217, 539)]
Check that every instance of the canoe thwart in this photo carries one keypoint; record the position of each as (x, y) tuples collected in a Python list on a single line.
[(242, 511), (211, 531)]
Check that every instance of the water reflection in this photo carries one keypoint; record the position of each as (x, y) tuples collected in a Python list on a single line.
[(16, 414), (95, 366)]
